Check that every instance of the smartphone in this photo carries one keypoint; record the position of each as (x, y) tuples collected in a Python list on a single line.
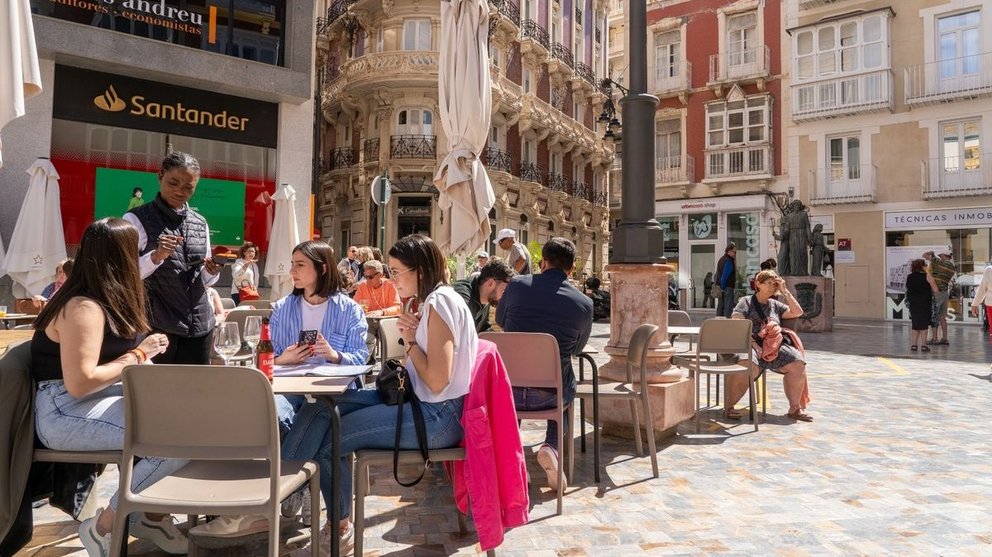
[(307, 337)]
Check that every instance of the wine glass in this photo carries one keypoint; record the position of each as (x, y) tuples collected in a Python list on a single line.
[(227, 340), (253, 331)]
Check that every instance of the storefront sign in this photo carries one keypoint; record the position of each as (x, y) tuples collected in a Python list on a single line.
[(939, 218), (114, 100), (414, 211), (221, 202), (844, 244), (844, 257), (200, 24), (703, 227)]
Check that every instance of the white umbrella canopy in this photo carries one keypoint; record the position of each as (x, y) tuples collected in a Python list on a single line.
[(284, 237), (38, 242), (20, 73), (465, 100)]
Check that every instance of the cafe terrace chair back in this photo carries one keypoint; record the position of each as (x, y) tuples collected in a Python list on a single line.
[(716, 337), (227, 303), (389, 340), (257, 304), (532, 360), (223, 420), (679, 318)]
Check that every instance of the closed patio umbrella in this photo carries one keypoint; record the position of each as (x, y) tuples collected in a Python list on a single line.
[(20, 74), (465, 100), (38, 243), (285, 236)]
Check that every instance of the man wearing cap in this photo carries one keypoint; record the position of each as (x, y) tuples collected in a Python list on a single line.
[(942, 270), (482, 259), (519, 257)]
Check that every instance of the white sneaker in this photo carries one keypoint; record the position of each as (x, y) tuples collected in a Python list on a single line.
[(324, 541), (95, 544), (232, 526), (547, 457), (163, 533)]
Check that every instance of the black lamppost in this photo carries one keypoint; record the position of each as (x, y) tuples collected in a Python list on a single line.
[(639, 237)]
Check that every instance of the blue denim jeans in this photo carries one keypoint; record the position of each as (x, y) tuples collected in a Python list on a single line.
[(533, 398), (93, 423), (366, 423), (286, 408), (726, 302)]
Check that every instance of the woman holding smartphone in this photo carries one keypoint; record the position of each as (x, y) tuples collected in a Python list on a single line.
[(759, 309), (441, 346)]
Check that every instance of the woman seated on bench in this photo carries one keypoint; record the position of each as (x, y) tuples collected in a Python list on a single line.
[(92, 328)]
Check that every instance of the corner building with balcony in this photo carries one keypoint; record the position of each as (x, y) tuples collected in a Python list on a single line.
[(889, 111), (546, 159), (715, 67)]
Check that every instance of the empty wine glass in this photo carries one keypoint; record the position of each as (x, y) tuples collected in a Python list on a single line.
[(227, 340), (253, 331)]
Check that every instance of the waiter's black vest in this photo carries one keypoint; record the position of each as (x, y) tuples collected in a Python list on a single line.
[(178, 301)]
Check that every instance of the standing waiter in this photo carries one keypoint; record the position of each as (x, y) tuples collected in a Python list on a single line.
[(176, 262)]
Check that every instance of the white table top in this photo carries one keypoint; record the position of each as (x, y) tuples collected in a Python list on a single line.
[(683, 330), (324, 379)]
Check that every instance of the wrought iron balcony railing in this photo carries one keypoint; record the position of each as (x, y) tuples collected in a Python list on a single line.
[(957, 176), (842, 184), (600, 198), (585, 72), (531, 172), (342, 157), (338, 9), (563, 53), (557, 182), (580, 190), (322, 25), (508, 9), (413, 146), (533, 30), (370, 150), (851, 94), (497, 159), (967, 77)]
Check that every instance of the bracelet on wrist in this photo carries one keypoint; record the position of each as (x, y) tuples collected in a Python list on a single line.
[(410, 345)]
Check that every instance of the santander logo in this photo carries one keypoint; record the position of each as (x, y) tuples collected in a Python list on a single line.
[(109, 101)]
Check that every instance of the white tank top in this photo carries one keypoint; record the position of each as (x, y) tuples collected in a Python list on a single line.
[(453, 310)]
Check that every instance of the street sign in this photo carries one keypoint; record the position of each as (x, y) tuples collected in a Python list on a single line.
[(381, 191)]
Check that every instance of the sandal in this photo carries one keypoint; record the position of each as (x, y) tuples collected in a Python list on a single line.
[(925, 348), (913, 347), (732, 414), (800, 415)]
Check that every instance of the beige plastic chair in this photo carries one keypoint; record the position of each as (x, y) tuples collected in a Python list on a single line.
[(257, 304), (389, 340), (678, 318), (227, 303), (222, 419), (532, 360), (637, 354), (721, 336)]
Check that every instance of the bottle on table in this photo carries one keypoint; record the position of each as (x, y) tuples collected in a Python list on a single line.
[(265, 353)]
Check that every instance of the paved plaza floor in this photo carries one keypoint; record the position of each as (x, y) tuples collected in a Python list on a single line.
[(897, 462)]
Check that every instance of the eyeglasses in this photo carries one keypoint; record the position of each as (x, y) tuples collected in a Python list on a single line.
[(373, 275), (398, 272)]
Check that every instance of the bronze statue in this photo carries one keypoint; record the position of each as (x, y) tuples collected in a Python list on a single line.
[(818, 248), (799, 239), (783, 249)]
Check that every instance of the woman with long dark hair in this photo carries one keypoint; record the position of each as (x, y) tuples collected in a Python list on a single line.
[(92, 328)]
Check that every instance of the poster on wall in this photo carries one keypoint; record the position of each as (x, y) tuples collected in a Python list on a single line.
[(898, 260), (221, 202)]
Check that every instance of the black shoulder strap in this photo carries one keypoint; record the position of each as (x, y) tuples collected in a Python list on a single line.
[(418, 425)]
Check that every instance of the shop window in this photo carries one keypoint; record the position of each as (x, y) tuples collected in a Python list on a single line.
[(417, 34), (744, 230)]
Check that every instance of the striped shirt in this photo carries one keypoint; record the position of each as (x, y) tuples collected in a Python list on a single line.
[(942, 272), (344, 327)]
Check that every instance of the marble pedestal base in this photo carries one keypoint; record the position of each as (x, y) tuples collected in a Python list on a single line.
[(671, 404)]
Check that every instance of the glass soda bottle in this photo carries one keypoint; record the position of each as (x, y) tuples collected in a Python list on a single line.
[(265, 354)]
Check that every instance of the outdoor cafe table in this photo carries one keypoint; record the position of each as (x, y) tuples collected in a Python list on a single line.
[(332, 380), (12, 319), (688, 331), (10, 337)]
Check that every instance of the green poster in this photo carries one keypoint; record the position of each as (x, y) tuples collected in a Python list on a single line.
[(221, 202)]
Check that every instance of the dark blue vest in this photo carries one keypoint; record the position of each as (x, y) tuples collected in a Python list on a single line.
[(178, 301)]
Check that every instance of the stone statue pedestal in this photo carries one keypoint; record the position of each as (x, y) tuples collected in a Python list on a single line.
[(816, 296), (639, 295)]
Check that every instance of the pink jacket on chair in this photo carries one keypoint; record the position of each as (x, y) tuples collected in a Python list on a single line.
[(493, 475)]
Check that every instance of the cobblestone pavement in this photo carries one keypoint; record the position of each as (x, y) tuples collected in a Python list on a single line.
[(896, 463)]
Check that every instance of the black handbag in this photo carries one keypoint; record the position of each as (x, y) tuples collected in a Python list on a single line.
[(393, 384)]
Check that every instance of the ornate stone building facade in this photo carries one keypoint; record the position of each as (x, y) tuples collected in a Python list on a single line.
[(546, 157)]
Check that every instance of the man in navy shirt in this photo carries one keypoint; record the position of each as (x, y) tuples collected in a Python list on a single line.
[(548, 303)]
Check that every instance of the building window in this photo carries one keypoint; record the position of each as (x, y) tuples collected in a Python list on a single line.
[(417, 34), (379, 42), (494, 54), (845, 158), (555, 163), (959, 44), (961, 146), (741, 122), (742, 39), (668, 143), (843, 47), (528, 80), (415, 122), (667, 52), (529, 151)]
